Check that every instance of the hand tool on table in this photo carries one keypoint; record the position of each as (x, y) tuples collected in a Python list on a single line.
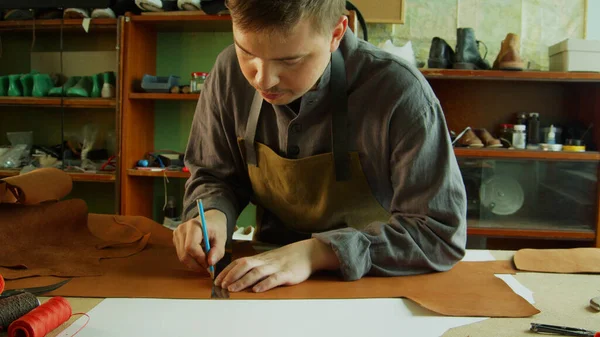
[(562, 330), (595, 303), (216, 291), (205, 235), (34, 290)]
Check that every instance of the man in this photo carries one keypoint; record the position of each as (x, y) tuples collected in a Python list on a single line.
[(343, 148)]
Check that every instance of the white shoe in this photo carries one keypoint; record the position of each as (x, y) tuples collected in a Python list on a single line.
[(188, 5), (103, 13), (156, 5)]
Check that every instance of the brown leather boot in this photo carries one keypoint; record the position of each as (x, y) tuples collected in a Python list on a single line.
[(487, 139), (509, 57)]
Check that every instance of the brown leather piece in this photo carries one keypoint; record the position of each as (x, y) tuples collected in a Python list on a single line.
[(44, 184), (470, 139), (469, 289), (572, 260), (55, 238)]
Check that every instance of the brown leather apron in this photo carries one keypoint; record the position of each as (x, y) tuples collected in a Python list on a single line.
[(312, 194)]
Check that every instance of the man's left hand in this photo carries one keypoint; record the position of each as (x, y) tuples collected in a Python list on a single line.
[(288, 265)]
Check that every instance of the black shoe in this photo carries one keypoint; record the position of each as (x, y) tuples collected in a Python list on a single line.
[(467, 51), (441, 55)]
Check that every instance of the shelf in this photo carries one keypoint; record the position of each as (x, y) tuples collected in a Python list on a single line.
[(182, 21), (527, 154), (533, 233), (547, 76), (158, 174), (76, 176), (530, 228), (67, 102), (55, 25), (170, 97)]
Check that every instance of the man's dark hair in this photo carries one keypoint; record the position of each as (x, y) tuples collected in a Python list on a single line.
[(283, 15)]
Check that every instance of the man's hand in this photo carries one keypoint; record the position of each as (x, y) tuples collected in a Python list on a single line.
[(288, 265), (188, 238)]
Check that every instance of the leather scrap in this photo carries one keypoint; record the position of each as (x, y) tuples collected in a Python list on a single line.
[(570, 260), (61, 239), (469, 289), (40, 185)]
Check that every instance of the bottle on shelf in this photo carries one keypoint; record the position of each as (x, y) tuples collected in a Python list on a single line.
[(519, 139), (533, 131)]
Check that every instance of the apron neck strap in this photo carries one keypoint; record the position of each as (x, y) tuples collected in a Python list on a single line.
[(339, 117), (339, 120)]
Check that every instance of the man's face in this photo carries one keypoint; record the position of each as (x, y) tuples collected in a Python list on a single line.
[(283, 67)]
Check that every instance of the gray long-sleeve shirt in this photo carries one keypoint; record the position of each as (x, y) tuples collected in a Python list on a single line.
[(396, 125)]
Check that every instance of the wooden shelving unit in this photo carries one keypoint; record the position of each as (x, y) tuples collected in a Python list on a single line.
[(479, 99), (501, 75), (184, 22), (76, 176), (70, 25), (68, 102), (592, 156), (101, 35), (168, 97), (157, 174)]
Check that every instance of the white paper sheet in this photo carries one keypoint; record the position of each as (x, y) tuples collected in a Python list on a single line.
[(264, 318), (513, 283)]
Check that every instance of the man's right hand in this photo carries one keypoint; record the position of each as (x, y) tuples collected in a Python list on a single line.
[(188, 239)]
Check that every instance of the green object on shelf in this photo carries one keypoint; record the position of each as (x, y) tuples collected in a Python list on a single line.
[(3, 85), (83, 88), (42, 83), (109, 86), (98, 82), (58, 91), (15, 89), (27, 84)]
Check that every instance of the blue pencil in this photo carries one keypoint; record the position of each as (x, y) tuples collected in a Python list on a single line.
[(205, 235)]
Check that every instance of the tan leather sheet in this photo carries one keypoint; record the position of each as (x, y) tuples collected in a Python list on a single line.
[(469, 289), (56, 238), (572, 260), (44, 184)]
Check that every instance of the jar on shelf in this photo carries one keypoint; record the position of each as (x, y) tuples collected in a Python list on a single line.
[(519, 139), (197, 83), (506, 132)]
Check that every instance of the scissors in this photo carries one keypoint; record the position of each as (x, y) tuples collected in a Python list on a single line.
[(34, 290)]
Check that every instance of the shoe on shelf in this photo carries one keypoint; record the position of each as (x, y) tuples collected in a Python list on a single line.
[(27, 84), (441, 55), (3, 85), (15, 88), (509, 57), (83, 88), (42, 83), (62, 90), (108, 84), (103, 13), (18, 14), (76, 13), (468, 138), (188, 5), (157, 5), (467, 51), (487, 139)]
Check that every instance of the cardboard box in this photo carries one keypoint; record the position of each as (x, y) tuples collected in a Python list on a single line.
[(575, 55)]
